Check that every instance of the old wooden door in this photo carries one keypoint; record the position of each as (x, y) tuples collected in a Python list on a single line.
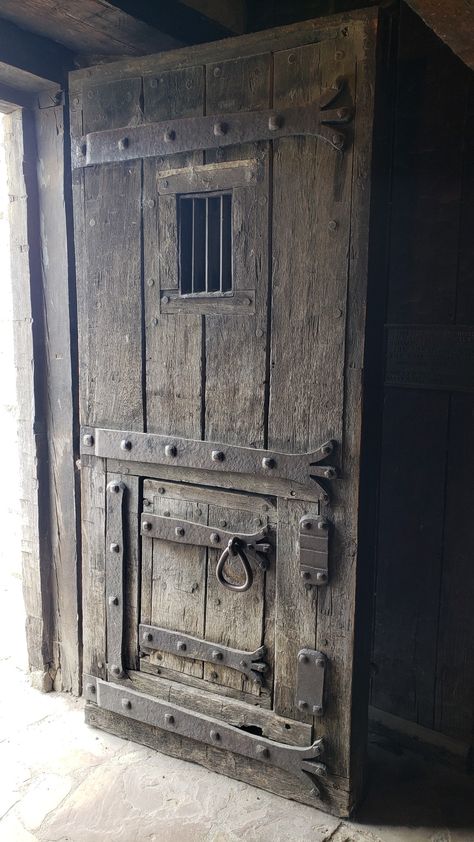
[(221, 213)]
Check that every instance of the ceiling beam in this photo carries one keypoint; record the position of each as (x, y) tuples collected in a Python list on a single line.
[(27, 60), (453, 23), (176, 19)]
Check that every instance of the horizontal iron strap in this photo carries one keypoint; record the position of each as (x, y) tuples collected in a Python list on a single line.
[(213, 456), (250, 664), (189, 133), (301, 762), (188, 532)]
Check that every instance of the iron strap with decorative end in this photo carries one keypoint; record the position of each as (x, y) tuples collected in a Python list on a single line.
[(304, 763), (114, 550), (156, 449), (198, 534), (251, 664), (186, 134)]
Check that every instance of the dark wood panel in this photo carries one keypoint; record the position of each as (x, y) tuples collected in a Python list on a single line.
[(413, 476), (454, 713)]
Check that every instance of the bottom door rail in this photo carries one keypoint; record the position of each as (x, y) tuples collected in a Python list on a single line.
[(302, 762)]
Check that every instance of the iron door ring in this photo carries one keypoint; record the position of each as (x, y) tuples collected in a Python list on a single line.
[(234, 548)]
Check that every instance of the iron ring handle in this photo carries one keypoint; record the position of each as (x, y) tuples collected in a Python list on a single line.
[(234, 547)]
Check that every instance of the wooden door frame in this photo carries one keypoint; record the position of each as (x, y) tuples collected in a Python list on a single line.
[(42, 275)]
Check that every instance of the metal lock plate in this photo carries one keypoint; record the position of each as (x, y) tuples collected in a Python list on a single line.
[(314, 550), (310, 681)]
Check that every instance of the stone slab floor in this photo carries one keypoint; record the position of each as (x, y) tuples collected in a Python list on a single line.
[(61, 781)]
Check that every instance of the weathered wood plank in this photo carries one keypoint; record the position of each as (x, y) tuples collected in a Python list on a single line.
[(173, 342)]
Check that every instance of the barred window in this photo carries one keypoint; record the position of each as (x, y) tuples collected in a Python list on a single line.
[(205, 243)]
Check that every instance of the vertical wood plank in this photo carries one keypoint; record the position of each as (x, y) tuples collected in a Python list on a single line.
[(235, 346), (109, 297), (173, 342)]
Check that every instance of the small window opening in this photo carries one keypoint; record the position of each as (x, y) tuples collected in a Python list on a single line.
[(205, 244)]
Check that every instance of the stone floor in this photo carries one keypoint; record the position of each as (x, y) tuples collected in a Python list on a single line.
[(62, 781)]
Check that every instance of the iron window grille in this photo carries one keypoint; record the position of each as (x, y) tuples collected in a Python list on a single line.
[(205, 244)]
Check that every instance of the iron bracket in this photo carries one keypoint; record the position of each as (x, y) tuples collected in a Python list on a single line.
[(157, 449), (114, 555), (304, 762), (314, 550), (198, 534), (251, 664), (310, 681), (215, 131)]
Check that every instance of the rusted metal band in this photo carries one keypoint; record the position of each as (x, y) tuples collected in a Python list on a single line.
[(251, 664), (304, 763), (114, 556), (198, 534), (304, 469), (212, 132), (314, 550)]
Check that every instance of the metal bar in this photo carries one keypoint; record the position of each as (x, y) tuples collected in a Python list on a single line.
[(114, 554), (304, 763), (221, 241), (206, 261), (251, 664), (314, 550), (310, 681), (213, 132), (198, 534), (193, 256), (188, 453)]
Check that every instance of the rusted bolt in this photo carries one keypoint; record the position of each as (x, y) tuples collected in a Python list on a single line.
[(217, 456), (126, 704), (320, 662), (220, 129), (303, 659), (215, 736), (328, 447), (307, 524), (243, 664), (223, 523), (305, 574), (217, 71), (329, 473), (217, 656), (322, 524), (115, 669), (179, 531), (321, 577), (90, 688), (114, 548), (166, 514), (291, 58), (302, 705), (169, 136), (88, 440), (171, 450), (161, 490), (123, 143), (155, 322), (262, 751), (146, 526), (317, 710), (268, 463), (148, 637), (338, 141), (169, 718), (332, 225), (165, 299), (146, 502), (214, 676), (115, 488), (275, 122), (125, 444), (315, 792), (181, 646), (113, 600), (343, 113)]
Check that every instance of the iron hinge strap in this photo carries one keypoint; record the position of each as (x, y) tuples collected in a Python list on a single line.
[(114, 559), (152, 448), (216, 131), (198, 534), (251, 664), (304, 762)]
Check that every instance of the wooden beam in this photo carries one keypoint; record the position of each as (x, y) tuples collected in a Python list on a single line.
[(28, 61), (91, 26), (177, 20), (453, 22)]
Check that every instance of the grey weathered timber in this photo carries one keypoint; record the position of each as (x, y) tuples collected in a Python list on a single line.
[(189, 133), (204, 177), (61, 383)]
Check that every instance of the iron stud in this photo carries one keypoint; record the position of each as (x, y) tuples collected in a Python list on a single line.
[(90, 688), (220, 129), (115, 488), (275, 122), (148, 637), (165, 299), (305, 574), (317, 710), (116, 670), (315, 792), (321, 577), (161, 490), (123, 143), (214, 676), (169, 136), (268, 463), (88, 440), (215, 736), (302, 658), (217, 456), (125, 444), (169, 718), (179, 531), (217, 656), (114, 548), (171, 450), (307, 524), (126, 704), (329, 473), (320, 662), (146, 526), (302, 705), (322, 524), (181, 646), (215, 538), (113, 600), (262, 751)]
